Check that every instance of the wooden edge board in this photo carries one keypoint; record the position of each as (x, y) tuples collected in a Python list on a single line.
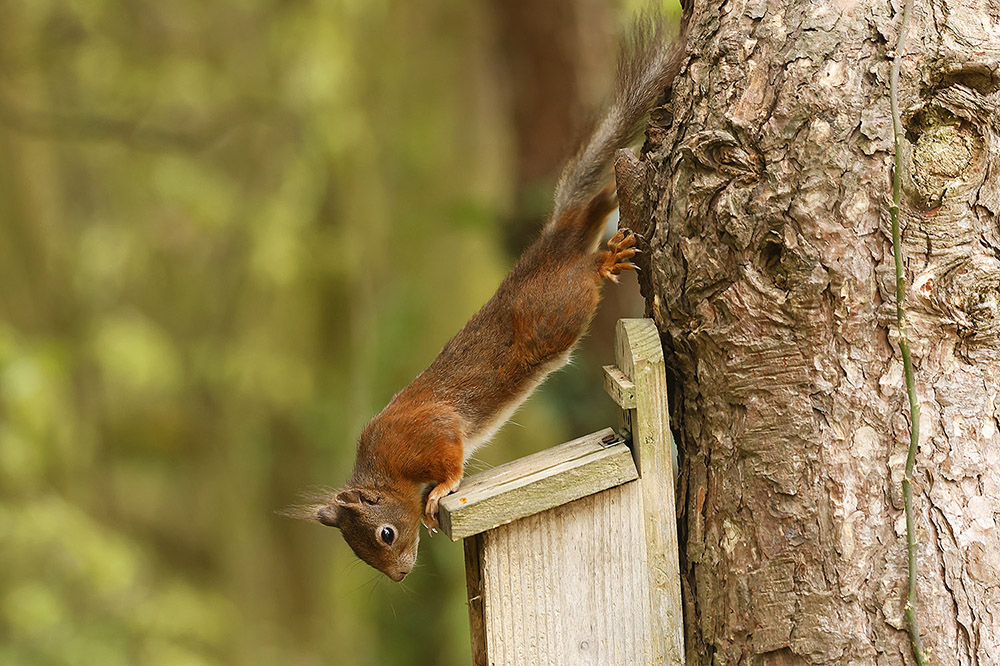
[(619, 387), (549, 475), (584, 469), (639, 354), (536, 462)]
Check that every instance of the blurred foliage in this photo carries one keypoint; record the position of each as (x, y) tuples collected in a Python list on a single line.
[(230, 232)]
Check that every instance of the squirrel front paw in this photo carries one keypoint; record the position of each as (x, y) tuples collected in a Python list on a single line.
[(430, 518), (614, 260)]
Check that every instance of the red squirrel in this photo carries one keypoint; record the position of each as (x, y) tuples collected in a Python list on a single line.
[(412, 453)]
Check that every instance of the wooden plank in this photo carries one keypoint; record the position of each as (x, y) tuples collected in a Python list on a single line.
[(568, 586), (639, 355), (474, 589), (540, 460), (619, 387), (537, 482)]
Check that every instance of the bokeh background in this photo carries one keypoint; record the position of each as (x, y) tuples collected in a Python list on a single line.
[(229, 232)]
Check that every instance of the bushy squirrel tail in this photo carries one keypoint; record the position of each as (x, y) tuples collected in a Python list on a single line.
[(648, 62)]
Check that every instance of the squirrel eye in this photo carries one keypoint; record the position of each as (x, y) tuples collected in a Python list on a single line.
[(388, 535)]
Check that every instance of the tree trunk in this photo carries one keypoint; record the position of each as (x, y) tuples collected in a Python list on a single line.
[(770, 278)]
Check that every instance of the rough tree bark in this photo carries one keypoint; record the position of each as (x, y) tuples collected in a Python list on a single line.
[(770, 277)]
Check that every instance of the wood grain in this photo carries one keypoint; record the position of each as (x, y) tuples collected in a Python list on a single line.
[(474, 588), (568, 586)]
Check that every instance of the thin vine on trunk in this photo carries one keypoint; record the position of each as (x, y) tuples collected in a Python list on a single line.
[(904, 343)]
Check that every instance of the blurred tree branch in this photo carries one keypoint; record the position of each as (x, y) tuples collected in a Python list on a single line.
[(196, 135)]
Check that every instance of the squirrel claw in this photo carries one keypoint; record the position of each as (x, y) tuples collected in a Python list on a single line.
[(431, 522), (430, 518)]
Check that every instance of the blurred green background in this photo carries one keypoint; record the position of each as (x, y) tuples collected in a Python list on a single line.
[(229, 232)]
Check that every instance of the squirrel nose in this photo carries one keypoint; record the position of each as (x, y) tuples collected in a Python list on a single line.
[(327, 516), (399, 575)]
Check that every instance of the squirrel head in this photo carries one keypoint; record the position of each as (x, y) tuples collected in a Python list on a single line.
[(379, 527)]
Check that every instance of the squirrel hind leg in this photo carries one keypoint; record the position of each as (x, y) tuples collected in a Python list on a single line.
[(582, 227), (596, 214), (617, 258)]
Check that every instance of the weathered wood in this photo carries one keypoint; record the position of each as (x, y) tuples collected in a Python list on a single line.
[(474, 588), (568, 586), (536, 483), (619, 387), (639, 356)]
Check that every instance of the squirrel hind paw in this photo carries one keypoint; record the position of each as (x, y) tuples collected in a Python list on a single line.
[(614, 260)]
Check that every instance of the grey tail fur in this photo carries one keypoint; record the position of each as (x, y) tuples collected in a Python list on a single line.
[(648, 62)]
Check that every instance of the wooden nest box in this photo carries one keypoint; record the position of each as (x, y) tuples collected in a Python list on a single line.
[(571, 553)]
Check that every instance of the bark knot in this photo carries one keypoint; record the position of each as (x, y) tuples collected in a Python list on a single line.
[(946, 149)]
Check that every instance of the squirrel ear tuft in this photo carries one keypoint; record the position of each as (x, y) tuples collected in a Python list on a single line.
[(329, 516), (355, 497)]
